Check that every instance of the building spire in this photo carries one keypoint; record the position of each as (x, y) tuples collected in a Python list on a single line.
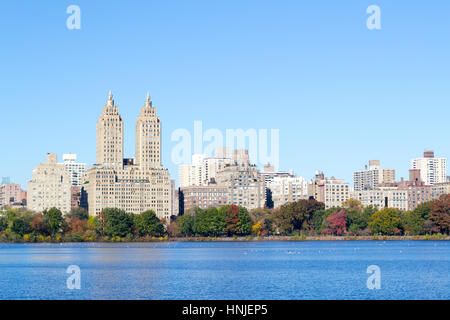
[(110, 99), (148, 102)]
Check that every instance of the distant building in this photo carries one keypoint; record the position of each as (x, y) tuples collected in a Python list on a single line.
[(75, 169), (287, 189), (184, 175), (75, 197), (243, 181), (313, 187), (134, 185), (331, 191), (205, 196), (49, 187), (203, 169), (269, 174), (439, 189), (12, 194), (372, 176), (383, 198), (6, 180), (417, 194), (432, 170), (402, 195), (174, 211)]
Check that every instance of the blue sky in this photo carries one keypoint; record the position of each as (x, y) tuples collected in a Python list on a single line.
[(340, 94)]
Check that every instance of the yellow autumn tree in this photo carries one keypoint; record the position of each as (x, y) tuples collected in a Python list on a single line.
[(256, 228)]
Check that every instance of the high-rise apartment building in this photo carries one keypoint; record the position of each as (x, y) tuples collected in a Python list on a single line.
[(148, 138), (402, 195), (75, 197), (11, 194), (438, 189), (245, 187), (372, 176), (132, 185), (386, 197), (334, 192), (331, 191), (75, 169), (175, 200), (184, 175), (110, 136), (49, 187), (287, 189), (203, 169), (432, 170), (269, 174), (205, 196)]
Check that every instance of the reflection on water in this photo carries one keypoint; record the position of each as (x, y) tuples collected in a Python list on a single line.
[(227, 270)]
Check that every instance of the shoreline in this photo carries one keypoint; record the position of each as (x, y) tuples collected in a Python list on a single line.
[(259, 239)]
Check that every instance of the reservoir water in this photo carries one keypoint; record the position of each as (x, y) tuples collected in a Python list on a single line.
[(227, 270)]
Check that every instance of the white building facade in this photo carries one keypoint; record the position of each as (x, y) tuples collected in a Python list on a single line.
[(49, 187), (287, 189), (372, 176), (75, 169), (432, 170), (383, 198)]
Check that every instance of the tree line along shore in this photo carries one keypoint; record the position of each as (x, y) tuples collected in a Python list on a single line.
[(295, 221)]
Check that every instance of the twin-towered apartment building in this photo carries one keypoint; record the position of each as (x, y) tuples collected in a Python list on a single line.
[(134, 185)]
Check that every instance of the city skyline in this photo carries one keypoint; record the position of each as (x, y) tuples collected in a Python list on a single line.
[(340, 98), (175, 174)]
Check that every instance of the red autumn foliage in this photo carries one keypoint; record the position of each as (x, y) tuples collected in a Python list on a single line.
[(440, 213), (77, 225), (337, 223)]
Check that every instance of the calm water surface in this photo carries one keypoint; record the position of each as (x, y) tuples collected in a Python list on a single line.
[(227, 270)]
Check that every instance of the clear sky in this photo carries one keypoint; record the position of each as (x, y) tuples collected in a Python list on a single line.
[(340, 94)]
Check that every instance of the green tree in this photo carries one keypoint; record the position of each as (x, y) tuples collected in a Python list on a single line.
[(147, 223), (186, 225), (358, 219), (3, 223), (317, 221), (78, 213), (21, 225), (54, 219), (265, 217), (237, 220), (413, 222), (424, 210), (117, 222), (245, 222), (386, 221), (297, 215), (209, 222), (352, 204)]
